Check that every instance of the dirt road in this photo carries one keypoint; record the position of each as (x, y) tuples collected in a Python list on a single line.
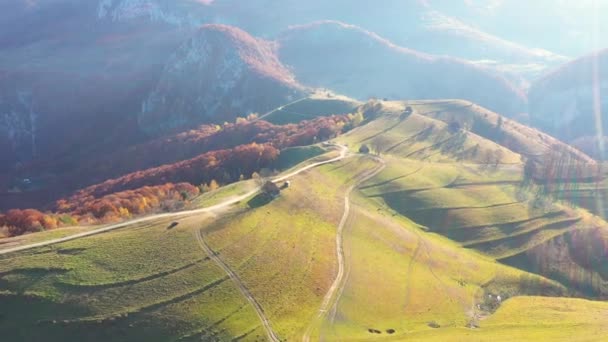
[(333, 294), (217, 207)]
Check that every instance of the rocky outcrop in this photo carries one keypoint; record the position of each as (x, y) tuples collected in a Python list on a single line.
[(18, 120)]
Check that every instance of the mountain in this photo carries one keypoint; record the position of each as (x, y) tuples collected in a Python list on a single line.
[(575, 25), (407, 23), (220, 73), (110, 54), (360, 64), (567, 100), (429, 26), (72, 83)]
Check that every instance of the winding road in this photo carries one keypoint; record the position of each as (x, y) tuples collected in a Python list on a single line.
[(332, 296), (335, 291), (214, 208)]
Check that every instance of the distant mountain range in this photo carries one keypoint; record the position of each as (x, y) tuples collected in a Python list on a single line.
[(570, 102), (84, 78)]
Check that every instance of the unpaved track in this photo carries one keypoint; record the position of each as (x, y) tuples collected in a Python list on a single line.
[(272, 336), (335, 291), (217, 207), (263, 116)]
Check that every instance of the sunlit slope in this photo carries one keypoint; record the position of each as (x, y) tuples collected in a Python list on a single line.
[(141, 283), (429, 245), (454, 129), (151, 282), (398, 276), (480, 200), (418, 136), (317, 104), (285, 250), (532, 319), (402, 280)]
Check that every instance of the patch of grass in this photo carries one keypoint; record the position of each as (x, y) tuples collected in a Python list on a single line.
[(295, 234), (144, 282), (224, 193), (43, 236), (421, 137), (311, 108), (293, 156), (402, 278)]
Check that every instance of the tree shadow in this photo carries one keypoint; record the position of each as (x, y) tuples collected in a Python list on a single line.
[(260, 200)]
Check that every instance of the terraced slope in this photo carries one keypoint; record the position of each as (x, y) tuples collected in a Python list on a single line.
[(428, 246), (143, 283), (454, 128), (483, 203), (419, 136)]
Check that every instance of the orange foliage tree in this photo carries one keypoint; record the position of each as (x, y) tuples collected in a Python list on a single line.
[(24, 221)]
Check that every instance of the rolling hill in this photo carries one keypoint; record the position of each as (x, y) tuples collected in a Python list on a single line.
[(210, 173), (425, 238)]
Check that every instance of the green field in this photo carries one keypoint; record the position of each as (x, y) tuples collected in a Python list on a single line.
[(429, 244), (312, 107)]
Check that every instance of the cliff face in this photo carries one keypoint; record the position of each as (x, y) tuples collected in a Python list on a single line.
[(18, 120), (220, 73), (68, 79)]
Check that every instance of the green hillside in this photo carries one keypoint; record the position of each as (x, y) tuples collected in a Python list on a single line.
[(317, 104), (444, 226)]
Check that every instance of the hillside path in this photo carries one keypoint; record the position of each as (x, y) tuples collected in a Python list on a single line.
[(272, 336), (335, 291)]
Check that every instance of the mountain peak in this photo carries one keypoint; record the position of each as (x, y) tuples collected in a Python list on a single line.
[(220, 73)]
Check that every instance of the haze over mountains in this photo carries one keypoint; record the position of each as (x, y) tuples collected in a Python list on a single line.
[(187, 170), (565, 101), (124, 46)]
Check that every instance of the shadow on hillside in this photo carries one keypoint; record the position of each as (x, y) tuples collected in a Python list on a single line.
[(260, 200)]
